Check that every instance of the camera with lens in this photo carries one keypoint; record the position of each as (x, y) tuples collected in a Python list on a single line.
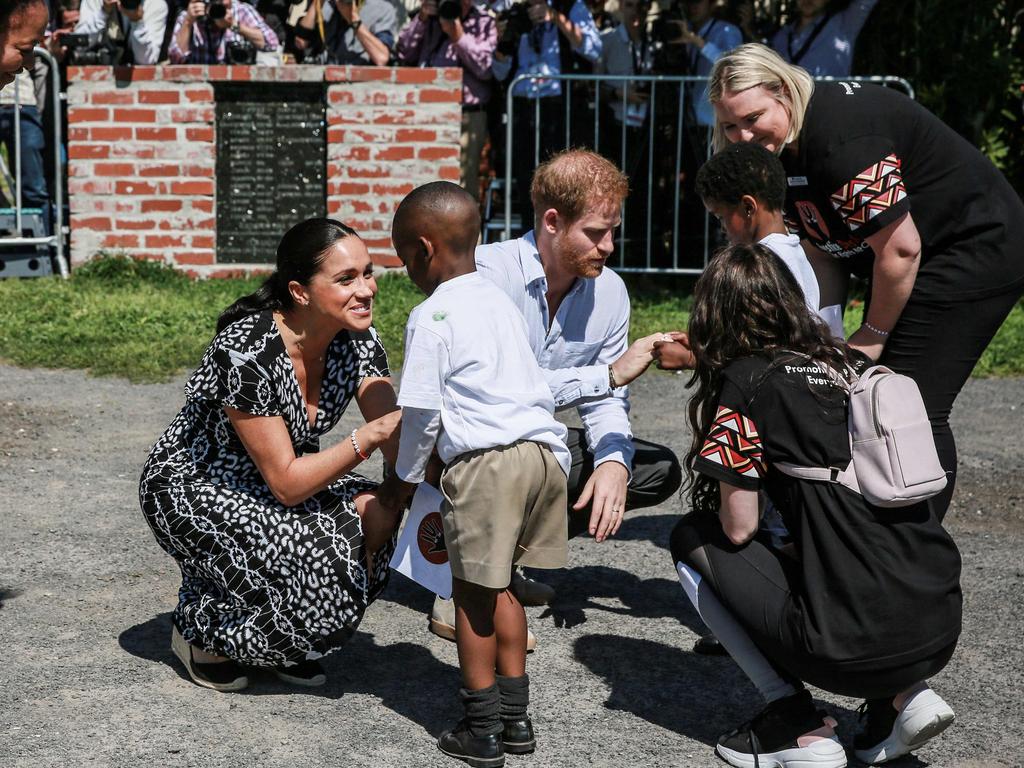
[(517, 23), (240, 52), (92, 48), (216, 10), (449, 10)]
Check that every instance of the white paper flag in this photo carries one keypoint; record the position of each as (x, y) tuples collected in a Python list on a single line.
[(421, 554)]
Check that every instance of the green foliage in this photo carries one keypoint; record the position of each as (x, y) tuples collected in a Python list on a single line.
[(147, 322), (965, 62), (115, 316)]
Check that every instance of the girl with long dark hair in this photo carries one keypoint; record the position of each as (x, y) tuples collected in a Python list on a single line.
[(864, 601), (281, 548)]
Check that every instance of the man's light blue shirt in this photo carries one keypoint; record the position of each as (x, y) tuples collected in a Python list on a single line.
[(588, 333), (545, 59)]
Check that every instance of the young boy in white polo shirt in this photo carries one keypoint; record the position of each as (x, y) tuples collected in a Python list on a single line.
[(471, 386)]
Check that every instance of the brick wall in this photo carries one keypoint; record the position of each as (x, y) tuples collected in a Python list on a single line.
[(142, 153)]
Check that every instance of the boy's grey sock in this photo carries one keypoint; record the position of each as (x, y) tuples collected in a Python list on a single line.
[(515, 696), (482, 710)]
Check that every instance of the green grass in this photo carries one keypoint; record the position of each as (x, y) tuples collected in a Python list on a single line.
[(146, 322)]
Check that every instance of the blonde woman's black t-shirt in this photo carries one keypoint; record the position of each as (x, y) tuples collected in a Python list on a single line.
[(878, 587), (866, 155)]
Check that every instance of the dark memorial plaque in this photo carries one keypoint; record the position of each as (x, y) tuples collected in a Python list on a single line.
[(271, 165)]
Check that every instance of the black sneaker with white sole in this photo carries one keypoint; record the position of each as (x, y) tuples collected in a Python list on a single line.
[(890, 733), (788, 733), (307, 673)]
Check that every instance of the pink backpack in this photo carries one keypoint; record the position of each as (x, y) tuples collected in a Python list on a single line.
[(894, 459)]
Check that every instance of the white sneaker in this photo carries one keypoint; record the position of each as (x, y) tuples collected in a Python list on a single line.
[(442, 622), (924, 715)]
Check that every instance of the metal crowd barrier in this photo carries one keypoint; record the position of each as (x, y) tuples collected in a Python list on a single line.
[(56, 239), (651, 83)]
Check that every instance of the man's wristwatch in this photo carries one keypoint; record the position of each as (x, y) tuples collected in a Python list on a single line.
[(356, 25), (611, 378)]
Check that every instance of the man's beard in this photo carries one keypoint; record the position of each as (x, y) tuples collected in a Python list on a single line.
[(582, 262)]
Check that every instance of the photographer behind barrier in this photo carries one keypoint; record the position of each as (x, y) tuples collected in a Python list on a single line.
[(22, 27), (131, 30), (350, 32), (548, 35), (220, 32), (455, 33)]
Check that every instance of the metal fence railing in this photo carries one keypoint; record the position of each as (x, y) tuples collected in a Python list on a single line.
[(661, 245), (55, 238)]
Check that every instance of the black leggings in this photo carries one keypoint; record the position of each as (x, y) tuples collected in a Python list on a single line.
[(938, 343), (753, 582)]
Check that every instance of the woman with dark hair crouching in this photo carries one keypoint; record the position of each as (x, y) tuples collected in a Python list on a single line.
[(281, 547), (862, 601)]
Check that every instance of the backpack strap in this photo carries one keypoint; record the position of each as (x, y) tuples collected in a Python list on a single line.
[(846, 477)]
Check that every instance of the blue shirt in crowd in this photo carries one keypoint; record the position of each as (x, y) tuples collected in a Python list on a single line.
[(539, 54), (719, 37), (830, 52)]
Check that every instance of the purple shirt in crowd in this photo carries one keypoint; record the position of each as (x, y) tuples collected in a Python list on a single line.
[(209, 42), (424, 44)]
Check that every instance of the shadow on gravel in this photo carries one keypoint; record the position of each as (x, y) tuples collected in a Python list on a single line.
[(698, 697), (151, 640), (7, 593), (598, 587), (405, 677), (653, 528)]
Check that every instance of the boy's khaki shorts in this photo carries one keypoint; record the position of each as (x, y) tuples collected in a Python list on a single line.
[(502, 507)]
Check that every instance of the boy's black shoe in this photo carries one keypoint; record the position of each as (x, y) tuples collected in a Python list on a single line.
[(478, 751), (517, 736), (788, 732)]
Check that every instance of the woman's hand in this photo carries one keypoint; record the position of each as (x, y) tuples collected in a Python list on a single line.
[(380, 432)]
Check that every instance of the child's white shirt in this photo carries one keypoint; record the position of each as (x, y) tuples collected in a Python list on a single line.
[(788, 248), (471, 379)]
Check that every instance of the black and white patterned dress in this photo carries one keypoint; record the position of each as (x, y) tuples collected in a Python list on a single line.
[(262, 583)]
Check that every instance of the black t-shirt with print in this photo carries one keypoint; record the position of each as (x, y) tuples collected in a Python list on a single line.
[(868, 154), (878, 587)]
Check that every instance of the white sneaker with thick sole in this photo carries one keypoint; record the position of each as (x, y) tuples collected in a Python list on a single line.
[(924, 716), (442, 622)]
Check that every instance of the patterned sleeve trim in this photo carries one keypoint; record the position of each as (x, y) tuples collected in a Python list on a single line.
[(874, 190), (734, 444), (247, 386), (373, 360)]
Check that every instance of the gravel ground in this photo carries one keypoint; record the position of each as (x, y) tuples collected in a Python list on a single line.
[(89, 680)]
